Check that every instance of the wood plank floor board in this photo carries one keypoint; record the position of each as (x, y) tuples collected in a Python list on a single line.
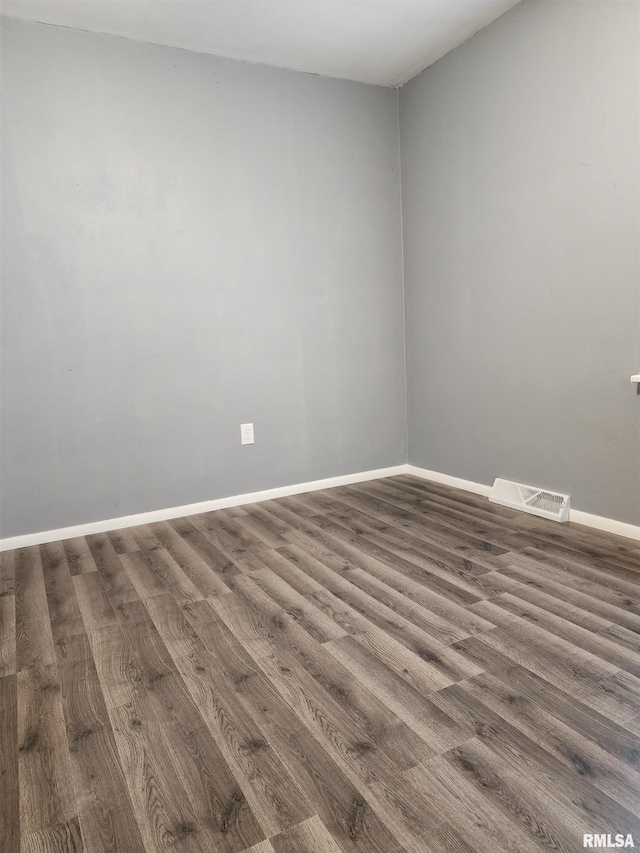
[(252, 625), (311, 836), (521, 799), (407, 606), (619, 635), (347, 739), (476, 537), (93, 601), (578, 538), (121, 679), (263, 532), (448, 497), (295, 605), (116, 582), (220, 804), (485, 657), (196, 532), (439, 732), (123, 541), (583, 638), (7, 573), (145, 580), (172, 557), (627, 605), (172, 578), (446, 575), (451, 574), (260, 512), (526, 637), (340, 804), (385, 729), (7, 635), (230, 535), (472, 815), (378, 501), (523, 755), (372, 577), (617, 696), (46, 789), (9, 763), (436, 574), (159, 676), (578, 753), (443, 838), (173, 626), (612, 737), (434, 662), (365, 610), (578, 535), (346, 742), (79, 558), (496, 522), (414, 592), (366, 766), (590, 600), (64, 838), (230, 654), (260, 847), (621, 582), (619, 565), (64, 613), (275, 799), (33, 640), (106, 815), (424, 670), (568, 672), (162, 807), (567, 605), (283, 564), (387, 667), (85, 710)]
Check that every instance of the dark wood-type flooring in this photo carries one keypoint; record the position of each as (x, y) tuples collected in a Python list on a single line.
[(392, 666)]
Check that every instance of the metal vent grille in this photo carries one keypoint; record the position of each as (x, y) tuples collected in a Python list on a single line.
[(541, 502), (546, 500)]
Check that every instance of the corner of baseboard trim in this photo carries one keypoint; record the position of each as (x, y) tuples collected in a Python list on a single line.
[(40, 538), (599, 522)]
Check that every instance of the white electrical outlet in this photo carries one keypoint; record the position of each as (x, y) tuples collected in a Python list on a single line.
[(246, 434)]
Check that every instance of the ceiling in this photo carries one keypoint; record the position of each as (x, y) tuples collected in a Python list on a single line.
[(386, 42)]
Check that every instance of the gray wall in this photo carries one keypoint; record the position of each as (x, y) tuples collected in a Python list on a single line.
[(520, 155), (190, 243)]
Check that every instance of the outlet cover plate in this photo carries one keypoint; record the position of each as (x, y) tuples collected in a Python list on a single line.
[(246, 434)]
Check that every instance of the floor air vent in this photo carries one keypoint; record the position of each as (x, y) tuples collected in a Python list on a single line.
[(529, 499)]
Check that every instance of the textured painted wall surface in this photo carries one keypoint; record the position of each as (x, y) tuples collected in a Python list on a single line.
[(520, 161), (189, 244)]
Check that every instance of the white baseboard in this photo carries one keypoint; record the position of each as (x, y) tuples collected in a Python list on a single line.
[(447, 480), (61, 533), (610, 525)]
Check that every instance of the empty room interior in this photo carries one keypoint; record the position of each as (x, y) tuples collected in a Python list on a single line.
[(319, 426)]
